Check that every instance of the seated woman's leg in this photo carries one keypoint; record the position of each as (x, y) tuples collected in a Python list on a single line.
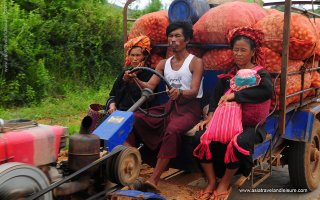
[(245, 140), (208, 169)]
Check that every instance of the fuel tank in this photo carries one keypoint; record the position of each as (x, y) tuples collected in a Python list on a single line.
[(84, 148), (37, 145)]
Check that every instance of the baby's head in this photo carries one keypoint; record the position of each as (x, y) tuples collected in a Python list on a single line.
[(244, 78)]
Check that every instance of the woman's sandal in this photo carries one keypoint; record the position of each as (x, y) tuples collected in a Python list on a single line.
[(224, 194), (203, 195)]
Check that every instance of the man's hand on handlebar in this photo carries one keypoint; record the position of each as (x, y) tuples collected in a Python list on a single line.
[(174, 93), (112, 108)]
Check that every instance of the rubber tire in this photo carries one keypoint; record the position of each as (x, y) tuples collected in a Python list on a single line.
[(19, 177), (299, 163), (121, 177)]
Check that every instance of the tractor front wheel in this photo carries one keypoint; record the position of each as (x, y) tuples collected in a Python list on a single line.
[(18, 181)]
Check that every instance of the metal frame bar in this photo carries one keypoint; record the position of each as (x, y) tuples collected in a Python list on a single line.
[(293, 2), (197, 45), (306, 11), (125, 20), (284, 68)]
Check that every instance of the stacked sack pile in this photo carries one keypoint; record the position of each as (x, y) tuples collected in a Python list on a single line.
[(303, 41), (154, 26), (211, 28)]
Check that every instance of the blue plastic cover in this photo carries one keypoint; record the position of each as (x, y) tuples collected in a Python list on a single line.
[(180, 10), (115, 129), (187, 10), (136, 193)]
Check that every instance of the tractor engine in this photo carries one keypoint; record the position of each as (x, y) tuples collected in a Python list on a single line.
[(28, 163)]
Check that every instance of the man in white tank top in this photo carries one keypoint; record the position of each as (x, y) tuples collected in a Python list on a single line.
[(184, 73)]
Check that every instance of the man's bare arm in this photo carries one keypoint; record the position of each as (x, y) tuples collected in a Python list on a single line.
[(154, 80), (196, 68)]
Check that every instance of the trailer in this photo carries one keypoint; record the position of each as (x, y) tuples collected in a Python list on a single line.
[(293, 130), (28, 156)]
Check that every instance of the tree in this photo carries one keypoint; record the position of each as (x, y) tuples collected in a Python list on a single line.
[(155, 5), (56, 46)]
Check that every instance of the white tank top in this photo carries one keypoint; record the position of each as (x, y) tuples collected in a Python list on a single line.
[(182, 78)]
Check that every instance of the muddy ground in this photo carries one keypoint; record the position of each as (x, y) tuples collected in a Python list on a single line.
[(175, 184)]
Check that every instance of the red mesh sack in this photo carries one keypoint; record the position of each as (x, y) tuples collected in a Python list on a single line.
[(155, 59), (196, 51), (273, 62), (302, 35), (293, 86), (317, 26), (315, 79), (273, 11), (153, 25), (217, 59), (315, 75), (215, 23)]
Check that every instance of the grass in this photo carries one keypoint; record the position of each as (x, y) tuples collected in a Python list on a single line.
[(66, 111)]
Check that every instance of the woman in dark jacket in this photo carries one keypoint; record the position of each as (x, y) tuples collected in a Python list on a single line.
[(245, 43), (123, 93)]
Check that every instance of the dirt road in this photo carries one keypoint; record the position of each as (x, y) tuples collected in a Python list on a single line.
[(183, 186)]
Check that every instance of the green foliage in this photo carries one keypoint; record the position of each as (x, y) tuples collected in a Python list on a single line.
[(278, 7), (25, 78), (55, 46), (65, 111), (153, 6)]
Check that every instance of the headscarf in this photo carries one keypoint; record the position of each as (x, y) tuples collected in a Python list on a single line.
[(141, 41), (256, 35)]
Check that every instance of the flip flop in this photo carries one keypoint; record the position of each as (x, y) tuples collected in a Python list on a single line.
[(225, 194), (203, 195)]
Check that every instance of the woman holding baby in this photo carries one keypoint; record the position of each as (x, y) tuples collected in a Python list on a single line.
[(244, 92)]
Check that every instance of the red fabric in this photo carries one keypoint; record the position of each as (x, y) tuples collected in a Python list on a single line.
[(230, 156), (254, 113), (140, 41), (230, 74), (225, 124)]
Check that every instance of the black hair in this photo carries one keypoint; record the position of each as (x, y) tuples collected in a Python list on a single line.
[(251, 42), (185, 26)]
